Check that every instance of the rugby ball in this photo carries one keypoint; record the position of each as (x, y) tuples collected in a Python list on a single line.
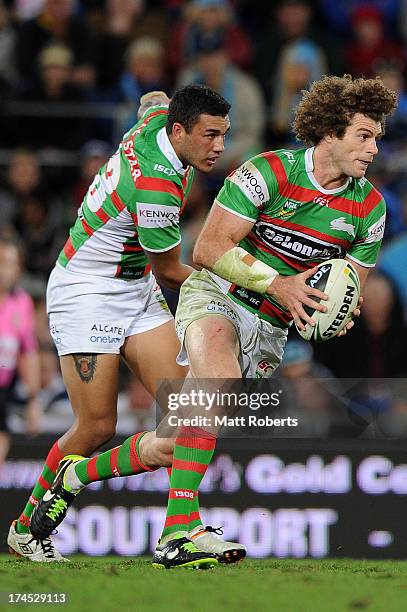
[(340, 281)]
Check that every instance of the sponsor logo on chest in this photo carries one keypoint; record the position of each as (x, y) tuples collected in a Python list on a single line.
[(296, 244)]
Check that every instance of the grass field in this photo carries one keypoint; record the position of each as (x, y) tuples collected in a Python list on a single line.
[(116, 584)]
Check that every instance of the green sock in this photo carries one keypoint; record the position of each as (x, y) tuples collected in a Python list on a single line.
[(123, 460), (192, 454), (42, 485)]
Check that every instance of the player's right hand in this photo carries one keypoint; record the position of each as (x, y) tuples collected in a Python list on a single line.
[(293, 293)]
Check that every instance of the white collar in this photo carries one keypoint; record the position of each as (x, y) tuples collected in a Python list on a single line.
[(309, 168), (168, 150)]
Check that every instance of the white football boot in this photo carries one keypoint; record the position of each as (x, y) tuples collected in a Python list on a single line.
[(26, 546), (207, 539)]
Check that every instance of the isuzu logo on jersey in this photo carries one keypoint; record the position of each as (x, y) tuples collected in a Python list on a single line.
[(251, 182), (295, 244), (376, 231), (156, 215)]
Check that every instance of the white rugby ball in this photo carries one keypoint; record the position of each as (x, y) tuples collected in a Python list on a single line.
[(340, 281)]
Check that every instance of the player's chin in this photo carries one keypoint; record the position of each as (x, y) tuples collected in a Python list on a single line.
[(207, 165)]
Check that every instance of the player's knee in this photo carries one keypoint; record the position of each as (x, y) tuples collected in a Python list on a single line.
[(102, 431)]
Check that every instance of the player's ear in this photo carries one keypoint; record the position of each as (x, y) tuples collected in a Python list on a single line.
[(178, 131)]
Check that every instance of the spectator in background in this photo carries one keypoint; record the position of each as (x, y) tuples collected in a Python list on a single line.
[(42, 234), (247, 114), (145, 71), (370, 46), (23, 177), (136, 410), (292, 21), (377, 343), (59, 130), (338, 13), (310, 393), (208, 20), (114, 36), (300, 64), (393, 263), (380, 176), (58, 24), (8, 64), (18, 345), (391, 74)]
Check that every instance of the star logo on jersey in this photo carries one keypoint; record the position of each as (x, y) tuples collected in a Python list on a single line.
[(341, 225), (288, 209)]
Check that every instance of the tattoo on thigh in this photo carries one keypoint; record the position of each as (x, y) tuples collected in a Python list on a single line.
[(85, 366)]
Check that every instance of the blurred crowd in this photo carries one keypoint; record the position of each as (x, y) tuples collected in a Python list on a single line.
[(71, 76)]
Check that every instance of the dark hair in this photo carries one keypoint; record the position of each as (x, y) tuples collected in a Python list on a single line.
[(330, 104), (188, 103)]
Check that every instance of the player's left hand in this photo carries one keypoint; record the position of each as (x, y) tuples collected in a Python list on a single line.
[(355, 313)]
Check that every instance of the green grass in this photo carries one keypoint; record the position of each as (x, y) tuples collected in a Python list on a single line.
[(117, 585)]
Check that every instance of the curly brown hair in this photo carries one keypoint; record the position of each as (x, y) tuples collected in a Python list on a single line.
[(330, 104)]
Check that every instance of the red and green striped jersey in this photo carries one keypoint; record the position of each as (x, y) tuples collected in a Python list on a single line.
[(297, 223), (134, 203)]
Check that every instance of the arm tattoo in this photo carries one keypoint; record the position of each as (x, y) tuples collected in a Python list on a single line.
[(85, 365)]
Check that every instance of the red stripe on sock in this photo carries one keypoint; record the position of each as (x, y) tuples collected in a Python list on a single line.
[(193, 466), (54, 457), (169, 470), (177, 519), (134, 456), (43, 483), (33, 500), (24, 520), (113, 461), (201, 443), (91, 470), (194, 516)]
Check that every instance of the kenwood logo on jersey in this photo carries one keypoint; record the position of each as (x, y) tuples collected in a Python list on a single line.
[(156, 215), (251, 182), (341, 225)]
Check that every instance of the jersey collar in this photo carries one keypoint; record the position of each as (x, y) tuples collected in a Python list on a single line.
[(168, 150), (309, 168)]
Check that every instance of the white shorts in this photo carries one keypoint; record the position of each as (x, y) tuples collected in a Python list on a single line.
[(93, 314), (261, 343)]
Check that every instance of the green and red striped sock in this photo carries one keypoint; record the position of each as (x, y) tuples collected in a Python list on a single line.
[(41, 486), (194, 515), (193, 453), (123, 460)]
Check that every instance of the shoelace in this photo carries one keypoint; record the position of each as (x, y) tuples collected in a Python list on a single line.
[(190, 547), (58, 507), (46, 545), (217, 530)]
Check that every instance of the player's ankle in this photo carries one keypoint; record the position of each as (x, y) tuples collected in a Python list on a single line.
[(72, 481), (21, 529), (171, 536)]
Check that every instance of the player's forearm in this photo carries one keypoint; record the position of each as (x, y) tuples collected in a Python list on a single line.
[(173, 276), (240, 267)]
